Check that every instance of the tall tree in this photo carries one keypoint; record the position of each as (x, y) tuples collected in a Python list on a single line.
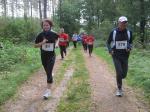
[(45, 8), (70, 15), (60, 11), (4, 5), (40, 9), (142, 20), (138, 12), (12, 8), (26, 9)]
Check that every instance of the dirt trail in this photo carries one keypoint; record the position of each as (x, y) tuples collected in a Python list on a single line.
[(29, 97), (104, 87)]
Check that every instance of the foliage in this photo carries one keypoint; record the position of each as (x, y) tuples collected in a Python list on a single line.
[(10, 55), (95, 12), (139, 73), (18, 30), (69, 15), (99, 11), (16, 64)]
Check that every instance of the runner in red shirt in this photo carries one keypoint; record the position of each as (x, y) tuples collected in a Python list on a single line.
[(63, 39), (84, 42), (90, 42)]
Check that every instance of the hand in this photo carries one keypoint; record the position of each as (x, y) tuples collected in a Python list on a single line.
[(56, 46), (111, 52), (44, 41), (128, 50)]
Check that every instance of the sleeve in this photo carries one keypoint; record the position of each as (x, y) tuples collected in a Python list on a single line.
[(38, 38), (56, 36), (109, 40), (93, 39), (130, 41)]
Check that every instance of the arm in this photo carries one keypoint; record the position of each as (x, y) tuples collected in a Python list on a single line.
[(37, 45), (109, 42), (57, 43), (129, 46)]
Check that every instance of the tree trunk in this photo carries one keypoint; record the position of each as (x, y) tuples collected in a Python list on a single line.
[(60, 12), (40, 9), (31, 8), (12, 9), (53, 8), (25, 11), (16, 7), (5, 8), (45, 8), (142, 22)]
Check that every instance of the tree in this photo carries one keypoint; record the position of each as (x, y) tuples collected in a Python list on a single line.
[(45, 8), (40, 9), (4, 5), (138, 12), (69, 15)]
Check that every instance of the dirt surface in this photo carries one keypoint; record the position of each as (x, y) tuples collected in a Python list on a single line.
[(29, 97), (103, 85)]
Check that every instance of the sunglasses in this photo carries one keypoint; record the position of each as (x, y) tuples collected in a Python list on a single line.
[(124, 22)]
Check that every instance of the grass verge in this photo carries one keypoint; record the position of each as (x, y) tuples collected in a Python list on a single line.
[(77, 97), (62, 69)]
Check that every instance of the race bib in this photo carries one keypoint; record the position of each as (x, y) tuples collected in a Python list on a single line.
[(121, 44), (90, 43), (61, 39), (48, 47)]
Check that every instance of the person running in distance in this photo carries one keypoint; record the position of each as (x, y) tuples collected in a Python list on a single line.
[(90, 43), (63, 39), (74, 39), (84, 42)]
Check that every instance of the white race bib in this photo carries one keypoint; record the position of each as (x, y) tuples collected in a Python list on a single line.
[(121, 44), (48, 47), (61, 39), (90, 43)]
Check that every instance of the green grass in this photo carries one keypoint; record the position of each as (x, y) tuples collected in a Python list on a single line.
[(62, 68), (103, 53), (77, 98), (19, 69), (139, 69)]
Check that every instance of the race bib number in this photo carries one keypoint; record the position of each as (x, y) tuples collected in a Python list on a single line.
[(61, 39), (48, 47), (90, 43), (121, 44)]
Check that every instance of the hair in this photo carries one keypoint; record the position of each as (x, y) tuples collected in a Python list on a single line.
[(47, 20), (62, 30)]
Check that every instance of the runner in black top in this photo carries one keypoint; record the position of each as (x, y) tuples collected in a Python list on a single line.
[(119, 45), (46, 41)]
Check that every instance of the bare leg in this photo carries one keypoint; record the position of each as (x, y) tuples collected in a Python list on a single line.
[(49, 86)]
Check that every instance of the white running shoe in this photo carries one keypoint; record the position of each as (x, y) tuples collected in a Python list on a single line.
[(47, 94), (119, 93)]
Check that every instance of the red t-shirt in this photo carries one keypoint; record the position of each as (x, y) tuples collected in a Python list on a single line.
[(90, 40), (63, 38), (84, 38)]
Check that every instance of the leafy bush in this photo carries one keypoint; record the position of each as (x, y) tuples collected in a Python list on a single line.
[(11, 55), (18, 30)]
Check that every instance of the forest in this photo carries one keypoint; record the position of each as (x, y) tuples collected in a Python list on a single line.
[(20, 22)]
